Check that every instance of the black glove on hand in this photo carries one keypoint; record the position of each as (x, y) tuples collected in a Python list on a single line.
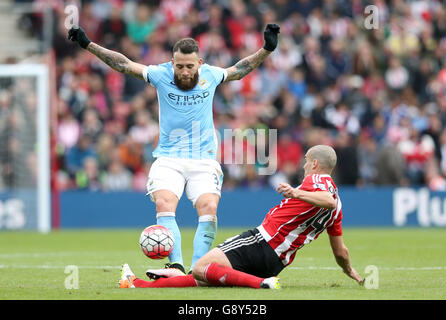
[(78, 35), (271, 34)]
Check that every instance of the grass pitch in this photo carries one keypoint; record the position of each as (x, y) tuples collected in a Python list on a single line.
[(411, 264)]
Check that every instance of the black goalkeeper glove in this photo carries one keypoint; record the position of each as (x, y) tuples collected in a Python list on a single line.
[(271, 34), (78, 35)]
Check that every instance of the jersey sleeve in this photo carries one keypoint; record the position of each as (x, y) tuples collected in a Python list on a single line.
[(152, 74), (219, 74), (336, 228)]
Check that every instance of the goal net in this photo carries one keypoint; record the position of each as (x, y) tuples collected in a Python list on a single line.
[(24, 147)]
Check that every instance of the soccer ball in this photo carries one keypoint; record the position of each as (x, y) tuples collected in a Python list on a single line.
[(156, 242)]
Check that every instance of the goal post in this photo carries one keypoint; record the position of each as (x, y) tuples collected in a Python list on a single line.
[(26, 205)]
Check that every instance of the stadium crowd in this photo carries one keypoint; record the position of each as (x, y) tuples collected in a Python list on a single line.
[(377, 95)]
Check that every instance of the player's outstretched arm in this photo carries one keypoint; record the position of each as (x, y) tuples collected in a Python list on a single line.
[(321, 199), (246, 65), (340, 251), (117, 61)]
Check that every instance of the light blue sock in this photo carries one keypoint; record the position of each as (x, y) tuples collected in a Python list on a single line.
[(204, 236), (167, 219)]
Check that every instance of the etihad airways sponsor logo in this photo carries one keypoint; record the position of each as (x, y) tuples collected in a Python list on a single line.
[(189, 99)]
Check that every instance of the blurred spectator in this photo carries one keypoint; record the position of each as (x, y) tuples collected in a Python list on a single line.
[(443, 152), (343, 119), (268, 88), (131, 154), (68, 131), (337, 60), (117, 177), (145, 130), (390, 167), (213, 49), (89, 21), (143, 26), (105, 149), (367, 158), (289, 152), (91, 125), (296, 84), (101, 9), (234, 23), (364, 62), (76, 156), (227, 101), (347, 169), (132, 85), (434, 131), (113, 27), (434, 180), (251, 178), (89, 176), (396, 75), (139, 182), (417, 149)]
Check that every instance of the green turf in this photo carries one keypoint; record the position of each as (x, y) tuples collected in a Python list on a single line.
[(411, 265)]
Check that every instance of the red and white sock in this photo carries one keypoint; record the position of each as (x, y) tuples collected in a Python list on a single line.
[(218, 274), (174, 282)]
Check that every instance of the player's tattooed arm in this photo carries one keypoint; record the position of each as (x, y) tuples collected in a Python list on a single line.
[(117, 61), (246, 65)]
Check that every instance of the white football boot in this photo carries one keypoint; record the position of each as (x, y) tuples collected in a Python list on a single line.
[(170, 270)]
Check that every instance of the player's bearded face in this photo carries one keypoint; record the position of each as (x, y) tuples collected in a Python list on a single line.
[(186, 82), (186, 70)]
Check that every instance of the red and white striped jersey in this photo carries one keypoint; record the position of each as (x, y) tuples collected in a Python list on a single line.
[(294, 223)]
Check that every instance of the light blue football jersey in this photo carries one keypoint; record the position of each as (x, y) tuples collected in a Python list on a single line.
[(185, 117)]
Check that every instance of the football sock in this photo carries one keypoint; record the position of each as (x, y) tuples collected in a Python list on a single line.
[(204, 236), (218, 274), (174, 282), (167, 219)]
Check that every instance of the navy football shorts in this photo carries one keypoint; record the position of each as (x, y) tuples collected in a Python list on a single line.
[(250, 253)]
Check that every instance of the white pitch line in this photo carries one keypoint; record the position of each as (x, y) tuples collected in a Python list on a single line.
[(31, 255), (48, 254), (379, 268), (47, 266), (21, 266), (15, 266)]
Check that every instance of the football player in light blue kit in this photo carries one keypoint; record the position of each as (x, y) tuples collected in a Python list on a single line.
[(187, 149)]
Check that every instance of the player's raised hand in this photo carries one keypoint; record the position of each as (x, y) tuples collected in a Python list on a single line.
[(77, 34), (271, 35), (286, 190)]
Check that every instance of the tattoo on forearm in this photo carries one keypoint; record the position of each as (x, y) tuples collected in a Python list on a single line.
[(115, 60), (246, 65)]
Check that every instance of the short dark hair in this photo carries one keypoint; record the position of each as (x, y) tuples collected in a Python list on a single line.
[(186, 45)]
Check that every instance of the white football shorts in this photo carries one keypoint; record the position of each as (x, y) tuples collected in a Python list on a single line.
[(196, 176)]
